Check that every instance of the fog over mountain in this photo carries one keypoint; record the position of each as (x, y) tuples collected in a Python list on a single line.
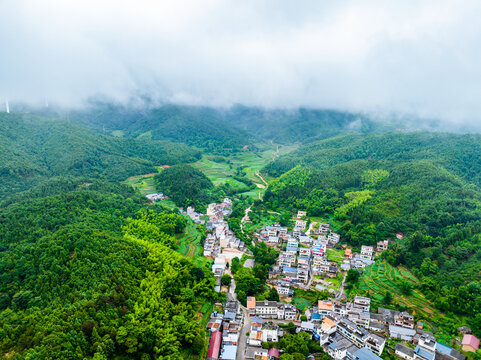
[(409, 57)]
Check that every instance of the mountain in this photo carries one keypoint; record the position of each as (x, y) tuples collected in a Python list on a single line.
[(298, 125), (34, 148), (225, 128), (197, 126), (460, 154)]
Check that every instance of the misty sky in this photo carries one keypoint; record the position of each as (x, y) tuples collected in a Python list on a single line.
[(421, 57)]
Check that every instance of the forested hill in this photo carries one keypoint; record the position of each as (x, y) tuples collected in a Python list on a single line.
[(426, 186), (198, 126), (34, 148), (460, 154), (231, 128), (92, 274), (298, 125)]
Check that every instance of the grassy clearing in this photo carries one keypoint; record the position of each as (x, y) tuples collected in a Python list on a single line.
[(143, 183), (336, 282), (266, 220), (336, 255)]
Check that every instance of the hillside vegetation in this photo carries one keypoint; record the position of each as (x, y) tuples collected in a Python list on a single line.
[(197, 126), (185, 185), (35, 148), (89, 274), (457, 153)]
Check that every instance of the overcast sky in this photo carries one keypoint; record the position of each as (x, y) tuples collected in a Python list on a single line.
[(421, 57)]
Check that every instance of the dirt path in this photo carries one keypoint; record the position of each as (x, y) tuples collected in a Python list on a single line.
[(244, 219), (311, 227), (262, 179)]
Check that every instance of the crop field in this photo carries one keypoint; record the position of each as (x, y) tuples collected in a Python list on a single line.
[(189, 243), (301, 303), (143, 183), (221, 172), (381, 277)]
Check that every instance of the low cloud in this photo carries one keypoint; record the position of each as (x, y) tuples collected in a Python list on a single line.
[(407, 57)]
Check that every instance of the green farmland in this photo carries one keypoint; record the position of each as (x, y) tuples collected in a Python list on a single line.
[(381, 277), (221, 170), (189, 243)]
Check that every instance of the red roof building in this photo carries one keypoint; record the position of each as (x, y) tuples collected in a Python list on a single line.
[(214, 345)]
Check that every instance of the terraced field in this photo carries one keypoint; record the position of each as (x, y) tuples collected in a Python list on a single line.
[(189, 243), (143, 183), (382, 277)]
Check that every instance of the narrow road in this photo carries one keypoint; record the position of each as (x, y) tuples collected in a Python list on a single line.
[(341, 291), (246, 326)]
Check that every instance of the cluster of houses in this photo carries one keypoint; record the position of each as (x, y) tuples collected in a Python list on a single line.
[(302, 256), (194, 215), (347, 330), (220, 244), (226, 327), (427, 348), (225, 331), (339, 336)]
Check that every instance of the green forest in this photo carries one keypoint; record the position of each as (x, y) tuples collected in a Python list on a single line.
[(34, 148), (93, 274)]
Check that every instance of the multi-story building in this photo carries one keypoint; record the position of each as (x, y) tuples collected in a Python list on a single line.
[(333, 238), (325, 307), (382, 245), (404, 319), (301, 224), (266, 309), (352, 332), (286, 259), (375, 343), (366, 252), (362, 302), (303, 273), (304, 252)]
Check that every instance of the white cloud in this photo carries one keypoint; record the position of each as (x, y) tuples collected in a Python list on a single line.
[(410, 56)]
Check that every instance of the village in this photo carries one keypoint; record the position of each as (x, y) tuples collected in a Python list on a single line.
[(345, 328)]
